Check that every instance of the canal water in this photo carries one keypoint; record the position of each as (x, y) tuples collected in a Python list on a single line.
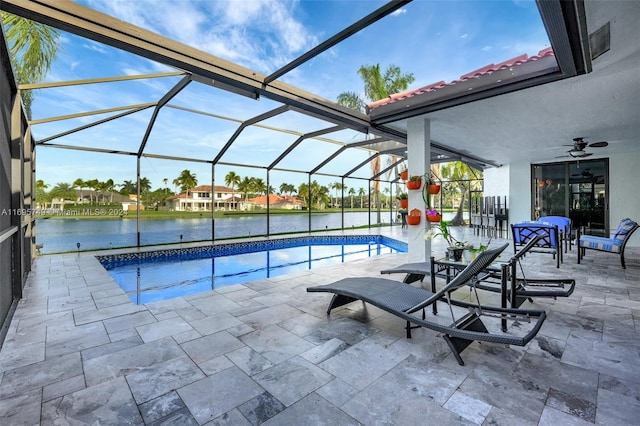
[(63, 234)]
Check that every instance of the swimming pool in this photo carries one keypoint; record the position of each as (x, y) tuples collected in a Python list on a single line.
[(164, 274)]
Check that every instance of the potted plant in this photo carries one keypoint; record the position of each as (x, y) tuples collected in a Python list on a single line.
[(433, 215), (432, 185), (404, 174), (473, 251), (455, 247), (403, 198), (415, 182)]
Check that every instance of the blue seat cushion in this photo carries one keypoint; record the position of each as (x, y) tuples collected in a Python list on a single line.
[(625, 226), (600, 243)]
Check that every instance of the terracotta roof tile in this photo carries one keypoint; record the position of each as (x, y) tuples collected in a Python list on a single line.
[(487, 69)]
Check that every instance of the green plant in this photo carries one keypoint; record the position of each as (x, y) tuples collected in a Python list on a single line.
[(480, 248), (402, 196), (415, 179), (441, 229)]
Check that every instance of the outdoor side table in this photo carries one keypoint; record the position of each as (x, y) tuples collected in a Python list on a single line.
[(449, 268)]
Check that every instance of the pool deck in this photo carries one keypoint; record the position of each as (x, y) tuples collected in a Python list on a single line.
[(78, 351)]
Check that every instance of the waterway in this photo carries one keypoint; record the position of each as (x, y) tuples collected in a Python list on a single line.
[(64, 234)]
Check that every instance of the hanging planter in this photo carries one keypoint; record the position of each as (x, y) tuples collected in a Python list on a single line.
[(413, 218), (404, 203), (434, 217), (415, 182), (434, 189), (404, 175)]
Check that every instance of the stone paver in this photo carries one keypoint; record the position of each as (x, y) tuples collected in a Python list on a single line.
[(78, 352)]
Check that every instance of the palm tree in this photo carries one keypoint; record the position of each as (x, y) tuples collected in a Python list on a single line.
[(32, 47), (385, 191), (176, 184), (320, 194), (352, 192), (303, 192), (41, 193), (108, 187), (338, 186), (145, 185), (375, 169), (232, 180), (79, 183), (128, 187), (244, 187), (361, 193), (63, 191), (287, 188), (458, 172), (376, 85), (187, 180), (165, 181), (102, 186), (93, 184), (258, 186)]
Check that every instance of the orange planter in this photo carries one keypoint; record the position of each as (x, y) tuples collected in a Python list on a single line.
[(413, 220), (404, 204), (434, 217), (434, 189), (404, 175), (414, 217), (414, 184)]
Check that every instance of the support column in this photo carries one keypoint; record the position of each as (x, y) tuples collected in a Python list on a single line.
[(419, 163)]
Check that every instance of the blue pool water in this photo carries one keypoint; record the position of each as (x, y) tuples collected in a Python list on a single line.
[(164, 274)]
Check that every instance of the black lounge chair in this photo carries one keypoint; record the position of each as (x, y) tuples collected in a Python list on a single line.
[(526, 288), (404, 301)]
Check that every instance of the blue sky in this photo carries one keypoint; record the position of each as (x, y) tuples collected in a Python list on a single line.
[(434, 40)]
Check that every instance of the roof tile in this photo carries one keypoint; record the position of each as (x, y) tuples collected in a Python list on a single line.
[(487, 69)]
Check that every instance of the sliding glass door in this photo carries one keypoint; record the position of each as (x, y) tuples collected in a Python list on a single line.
[(574, 189)]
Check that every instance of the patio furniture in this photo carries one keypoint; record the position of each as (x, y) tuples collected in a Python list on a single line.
[(516, 286), (404, 301), (550, 243), (526, 288), (564, 228), (615, 244)]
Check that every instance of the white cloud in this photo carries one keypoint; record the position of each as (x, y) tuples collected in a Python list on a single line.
[(399, 12), (464, 35), (486, 48), (259, 34)]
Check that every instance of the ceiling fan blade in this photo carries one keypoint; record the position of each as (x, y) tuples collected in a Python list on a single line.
[(600, 144)]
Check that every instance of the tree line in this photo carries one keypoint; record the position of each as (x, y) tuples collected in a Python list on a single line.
[(317, 195)]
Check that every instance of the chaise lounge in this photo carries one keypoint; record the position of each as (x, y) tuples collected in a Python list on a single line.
[(404, 301), (518, 286)]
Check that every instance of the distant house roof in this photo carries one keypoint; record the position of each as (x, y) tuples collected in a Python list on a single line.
[(207, 188), (276, 199), (480, 72), (203, 188)]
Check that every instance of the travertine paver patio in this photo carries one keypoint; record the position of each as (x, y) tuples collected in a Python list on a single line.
[(79, 352)]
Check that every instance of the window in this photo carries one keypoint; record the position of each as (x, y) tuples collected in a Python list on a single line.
[(574, 189)]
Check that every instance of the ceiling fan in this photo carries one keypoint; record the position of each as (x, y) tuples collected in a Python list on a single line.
[(579, 144)]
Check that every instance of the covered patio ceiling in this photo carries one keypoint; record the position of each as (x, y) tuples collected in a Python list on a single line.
[(497, 122), (539, 123)]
